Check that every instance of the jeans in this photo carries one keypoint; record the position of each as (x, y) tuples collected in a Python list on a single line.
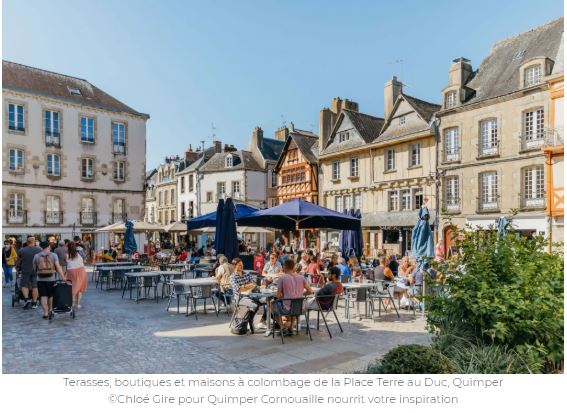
[(7, 273)]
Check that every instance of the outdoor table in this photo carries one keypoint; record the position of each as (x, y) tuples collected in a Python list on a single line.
[(269, 294), (195, 283), (203, 272), (118, 270), (141, 275), (167, 275), (361, 290), (112, 263)]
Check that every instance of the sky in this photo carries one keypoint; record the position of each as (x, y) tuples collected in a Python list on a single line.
[(240, 64)]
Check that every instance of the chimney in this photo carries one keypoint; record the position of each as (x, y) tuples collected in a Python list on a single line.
[(257, 139), (218, 146), (191, 155), (392, 89), (281, 133), (229, 147), (460, 71), (328, 117)]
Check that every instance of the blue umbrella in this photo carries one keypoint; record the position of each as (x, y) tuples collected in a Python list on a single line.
[(210, 220), (130, 245), (220, 208), (422, 237), (299, 214), (228, 237), (350, 240)]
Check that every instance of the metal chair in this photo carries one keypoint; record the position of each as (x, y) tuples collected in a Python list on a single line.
[(382, 291), (296, 309), (178, 291), (326, 304), (223, 296), (204, 293), (103, 277)]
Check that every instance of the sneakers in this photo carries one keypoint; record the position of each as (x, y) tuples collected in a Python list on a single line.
[(261, 326), (27, 304), (34, 304)]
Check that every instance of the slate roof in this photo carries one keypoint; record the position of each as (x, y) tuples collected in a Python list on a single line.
[(499, 73), (559, 64), (271, 149), (423, 108), (242, 160), (21, 78), (307, 143), (183, 166)]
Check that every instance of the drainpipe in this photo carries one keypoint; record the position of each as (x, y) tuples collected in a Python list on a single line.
[(435, 126)]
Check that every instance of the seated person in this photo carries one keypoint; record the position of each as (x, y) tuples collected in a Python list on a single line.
[(334, 261), (272, 269), (291, 285), (405, 268), (355, 269), (243, 283), (304, 263), (106, 257), (344, 269), (331, 288), (182, 257), (222, 275), (314, 270), (382, 272)]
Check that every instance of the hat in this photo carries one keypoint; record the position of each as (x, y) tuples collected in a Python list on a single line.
[(44, 244)]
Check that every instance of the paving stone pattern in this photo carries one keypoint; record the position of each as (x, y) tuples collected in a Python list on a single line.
[(111, 335)]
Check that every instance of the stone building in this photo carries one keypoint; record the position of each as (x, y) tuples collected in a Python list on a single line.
[(493, 124), (166, 190), (74, 156)]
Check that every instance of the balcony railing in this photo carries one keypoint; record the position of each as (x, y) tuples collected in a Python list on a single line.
[(490, 204), (52, 139), (489, 151), (53, 217), (552, 138), (452, 205), (88, 218), (14, 216), (532, 141), (119, 149), (531, 202), (118, 217), (453, 156)]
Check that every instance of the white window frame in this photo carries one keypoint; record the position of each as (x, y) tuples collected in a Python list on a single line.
[(88, 131), (336, 170), (415, 193), (451, 193), (353, 167), (52, 122), (393, 201), (451, 144), (489, 190), (16, 208), (534, 128), (119, 172), (402, 120), (339, 203), (16, 117), (118, 137), (53, 164), (121, 203), (415, 154), (534, 186), (357, 201), (488, 137), (450, 99), (221, 185), (405, 198), (16, 160), (235, 186), (87, 167), (229, 161), (390, 160), (52, 209), (533, 75)]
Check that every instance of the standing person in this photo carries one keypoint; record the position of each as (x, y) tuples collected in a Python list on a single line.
[(80, 247), (61, 252), (9, 256), (45, 265), (76, 273), (29, 277)]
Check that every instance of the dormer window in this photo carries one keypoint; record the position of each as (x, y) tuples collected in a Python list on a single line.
[(450, 99), (343, 136), (229, 161), (402, 120), (74, 91), (532, 75)]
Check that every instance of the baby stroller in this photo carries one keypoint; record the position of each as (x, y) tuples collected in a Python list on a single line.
[(62, 299), (17, 293)]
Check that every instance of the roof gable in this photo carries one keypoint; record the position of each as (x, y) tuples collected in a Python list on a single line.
[(307, 144), (241, 160), (362, 129)]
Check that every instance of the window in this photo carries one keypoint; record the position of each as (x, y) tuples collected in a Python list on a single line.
[(118, 138), (87, 129), (417, 198), (229, 161), (52, 212), (182, 185), (451, 192), (336, 170), (353, 167), (391, 236), (52, 128), (533, 128), (406, 200), (53, 165), (451, 145), (393, 201), (402, 120), (166, 216), (235, 187), (415, 154), (450, 99), (182, 210), (172, 196), (532, 75), (344, 136), (209, 197), (160, 200), (16, 209), (74, 91), (87, 211), (119, 171), (489, 137), (16, 117), (119, 210), (390, 160), (358, 201), (489, 190), (347, 202), (87, 168), (191, 183), (221, 189), (160, 217), (274, 178), (533, 186), (16, 160), (191, 209), (339, 203)]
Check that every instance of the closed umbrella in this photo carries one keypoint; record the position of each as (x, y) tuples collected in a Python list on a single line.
[(220, 209), (129, 241), (228, 237), (350, 240)]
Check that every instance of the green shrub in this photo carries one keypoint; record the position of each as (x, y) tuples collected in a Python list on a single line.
[(505, 292), (411, 359)]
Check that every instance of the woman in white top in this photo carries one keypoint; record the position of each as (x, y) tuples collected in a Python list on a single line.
[(76, 273)]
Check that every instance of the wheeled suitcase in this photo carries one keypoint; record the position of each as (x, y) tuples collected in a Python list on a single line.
[(62, 299)]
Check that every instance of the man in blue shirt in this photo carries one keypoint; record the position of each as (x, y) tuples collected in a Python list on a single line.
[(345, 270)]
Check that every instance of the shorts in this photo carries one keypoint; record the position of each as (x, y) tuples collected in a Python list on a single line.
[(280, 309), (45, 288), (28, 280)]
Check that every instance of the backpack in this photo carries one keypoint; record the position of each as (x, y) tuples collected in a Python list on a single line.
[(45, 266)]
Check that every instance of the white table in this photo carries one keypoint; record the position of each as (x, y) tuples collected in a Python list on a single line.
[(194, 283)]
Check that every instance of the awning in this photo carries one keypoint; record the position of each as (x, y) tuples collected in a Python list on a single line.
[(392, 219)]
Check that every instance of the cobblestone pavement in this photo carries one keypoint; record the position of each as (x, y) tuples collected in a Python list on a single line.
[(111, 335)]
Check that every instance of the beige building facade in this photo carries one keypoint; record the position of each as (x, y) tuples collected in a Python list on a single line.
[(73, 156), (165, 191), (492, 127)]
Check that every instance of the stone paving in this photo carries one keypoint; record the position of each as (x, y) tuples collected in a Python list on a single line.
[(111, 335)]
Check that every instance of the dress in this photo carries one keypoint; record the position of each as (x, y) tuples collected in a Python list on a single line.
[(76, 274)]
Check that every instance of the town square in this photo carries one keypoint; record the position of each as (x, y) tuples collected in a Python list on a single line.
[(249, 200)]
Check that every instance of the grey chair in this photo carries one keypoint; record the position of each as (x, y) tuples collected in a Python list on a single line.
[(326, 304), (296, 309), (203, 293), (179, 291), (382, 290)]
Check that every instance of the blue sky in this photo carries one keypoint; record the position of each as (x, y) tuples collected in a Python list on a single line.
[(239, 64)]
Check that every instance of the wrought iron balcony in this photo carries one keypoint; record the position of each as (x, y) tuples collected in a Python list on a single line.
[(532, 141), (552, 138), (452, 156), (88, 218), (52, 139), (119, 149), (53, 217), (118, 217), (532, 202), (452, 205), (489, 204), (14, 216), (489, 151)]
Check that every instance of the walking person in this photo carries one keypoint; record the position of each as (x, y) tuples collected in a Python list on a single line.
[(61, 252), (76, 273), (28, 281), (9, 256), (45, 265)]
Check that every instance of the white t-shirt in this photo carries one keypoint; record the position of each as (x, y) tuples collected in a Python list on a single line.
[(76, 262)]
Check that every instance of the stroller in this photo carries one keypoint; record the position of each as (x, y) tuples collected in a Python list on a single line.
[(62, 299), (17, 295)]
